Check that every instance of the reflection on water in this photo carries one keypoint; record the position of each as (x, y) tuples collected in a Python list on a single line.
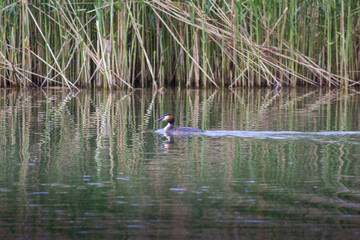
[(271, 165)]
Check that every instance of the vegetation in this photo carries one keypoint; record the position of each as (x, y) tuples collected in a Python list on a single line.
[(126, 44)]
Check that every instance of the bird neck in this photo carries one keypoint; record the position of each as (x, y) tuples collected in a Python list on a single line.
[(169, 126)]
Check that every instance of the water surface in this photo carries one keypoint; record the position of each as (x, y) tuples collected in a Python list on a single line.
[(91, 165)]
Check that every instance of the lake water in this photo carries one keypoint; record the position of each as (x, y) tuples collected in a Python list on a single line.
[(271, 165)]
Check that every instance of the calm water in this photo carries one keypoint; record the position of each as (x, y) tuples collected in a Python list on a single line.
[(272, 166)]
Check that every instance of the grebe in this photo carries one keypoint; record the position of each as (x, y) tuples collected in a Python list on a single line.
[(180, 131)]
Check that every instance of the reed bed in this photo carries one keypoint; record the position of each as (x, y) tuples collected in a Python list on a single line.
[(128, 44)]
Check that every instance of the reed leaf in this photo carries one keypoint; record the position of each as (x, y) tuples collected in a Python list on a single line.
[(127, 44)]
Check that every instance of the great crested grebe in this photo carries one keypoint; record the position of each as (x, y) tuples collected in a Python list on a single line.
[(179, 131)]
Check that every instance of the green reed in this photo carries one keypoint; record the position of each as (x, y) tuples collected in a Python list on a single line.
[(127, 44)]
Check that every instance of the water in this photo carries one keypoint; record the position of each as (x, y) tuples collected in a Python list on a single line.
[(270, 165)]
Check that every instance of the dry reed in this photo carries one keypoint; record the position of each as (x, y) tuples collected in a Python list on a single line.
[(127, 44)]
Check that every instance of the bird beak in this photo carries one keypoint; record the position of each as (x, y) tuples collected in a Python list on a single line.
[(159, 119)]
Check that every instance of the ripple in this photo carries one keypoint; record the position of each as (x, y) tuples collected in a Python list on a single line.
[(177, 189), (335, 136)]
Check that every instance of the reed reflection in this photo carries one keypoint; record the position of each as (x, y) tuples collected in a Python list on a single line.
[(92, 158)]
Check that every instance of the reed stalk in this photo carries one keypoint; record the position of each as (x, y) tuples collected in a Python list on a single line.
[(126, 44)]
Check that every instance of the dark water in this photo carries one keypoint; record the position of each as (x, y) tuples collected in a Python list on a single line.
[(273, 166)]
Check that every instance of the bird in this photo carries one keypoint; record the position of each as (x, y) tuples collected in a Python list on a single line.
[(170, 130)]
